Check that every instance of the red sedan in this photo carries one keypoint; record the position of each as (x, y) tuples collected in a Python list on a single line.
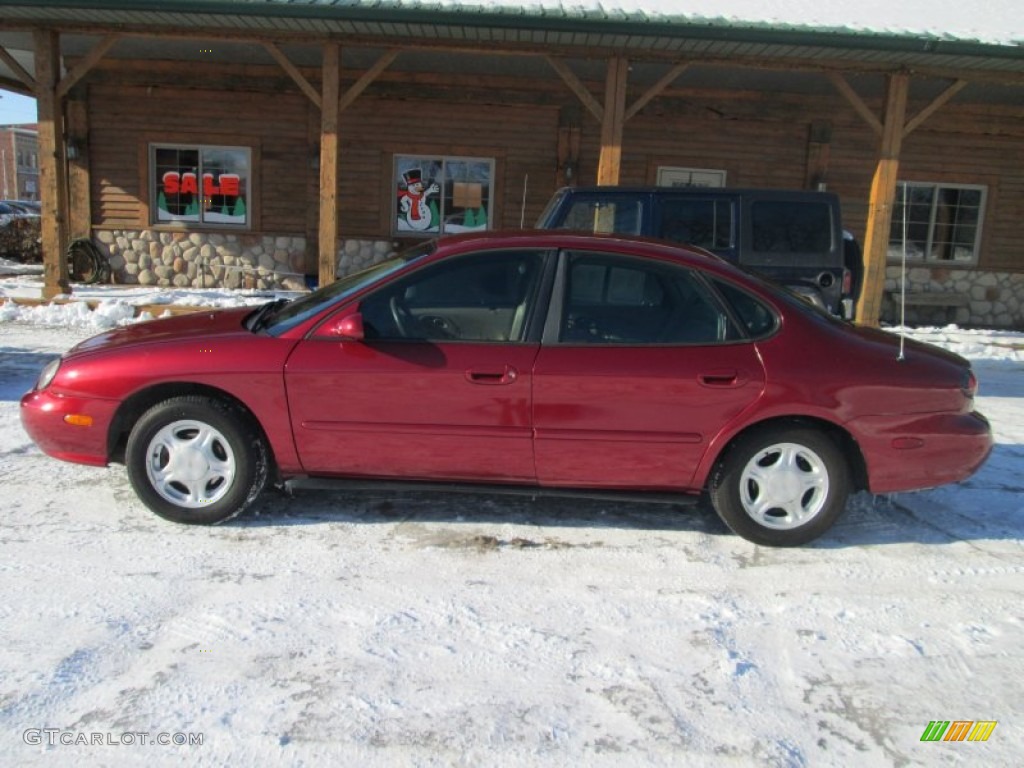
[(540, 360)]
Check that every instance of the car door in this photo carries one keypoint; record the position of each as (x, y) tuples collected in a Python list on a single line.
[(441, 386), (640, 368)]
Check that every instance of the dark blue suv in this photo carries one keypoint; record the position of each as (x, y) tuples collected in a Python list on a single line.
[(793, 237)]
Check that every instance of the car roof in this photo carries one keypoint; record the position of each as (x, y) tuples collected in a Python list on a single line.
[(607, 191), (556, 238)]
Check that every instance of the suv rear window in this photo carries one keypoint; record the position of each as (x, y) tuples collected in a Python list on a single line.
[(779, 226)]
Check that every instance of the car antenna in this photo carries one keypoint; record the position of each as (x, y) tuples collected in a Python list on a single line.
[(903, 279), (522, 210)]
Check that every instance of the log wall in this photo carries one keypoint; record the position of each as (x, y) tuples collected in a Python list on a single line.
[(759, 138)]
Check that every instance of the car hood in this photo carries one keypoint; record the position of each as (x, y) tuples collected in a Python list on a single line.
[(220, 322)]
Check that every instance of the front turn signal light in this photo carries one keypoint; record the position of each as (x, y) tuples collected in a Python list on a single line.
[(78, 420)]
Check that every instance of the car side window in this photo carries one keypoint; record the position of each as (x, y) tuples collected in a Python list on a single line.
[(704, 223), (617, 300), (757, 319), (477, 297)]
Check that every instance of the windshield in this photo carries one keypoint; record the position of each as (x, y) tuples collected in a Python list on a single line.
[(550, 209), (300, 310), (598, 214)]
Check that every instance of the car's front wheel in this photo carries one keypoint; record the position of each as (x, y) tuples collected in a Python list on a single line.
[(196, 460), (781, 486)]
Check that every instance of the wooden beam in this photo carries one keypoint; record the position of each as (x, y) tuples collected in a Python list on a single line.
[(657, 88), (52, 175), (883, 194), (328, 234), (79, 192), (19, 71), (856, 101), (610, 162), (577, 87), (293, 73), (368, 77), (82, 67), (932, 108)]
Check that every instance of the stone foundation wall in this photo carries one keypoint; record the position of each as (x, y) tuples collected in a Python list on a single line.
[(360, 254), (217, 260), (994, 299)]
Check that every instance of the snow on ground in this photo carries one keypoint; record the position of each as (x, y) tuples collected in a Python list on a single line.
[(414, 629)]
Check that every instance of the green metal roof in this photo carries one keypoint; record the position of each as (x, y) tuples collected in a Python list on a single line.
[(948, 35)]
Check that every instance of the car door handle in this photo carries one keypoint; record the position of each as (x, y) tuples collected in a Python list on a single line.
[(722, 378), (507, 376)]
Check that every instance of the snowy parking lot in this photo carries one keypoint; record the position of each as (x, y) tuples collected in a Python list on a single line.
[(416, 629)]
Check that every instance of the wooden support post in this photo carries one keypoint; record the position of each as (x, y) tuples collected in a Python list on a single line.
[(79, 193), (52, 171), (610, 162), (328, 235), (883, 194)]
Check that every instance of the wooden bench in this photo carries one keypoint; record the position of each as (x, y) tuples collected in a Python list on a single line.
[(931, 299), (929, 304)]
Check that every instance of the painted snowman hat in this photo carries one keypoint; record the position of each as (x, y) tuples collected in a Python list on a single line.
[(413, 176)]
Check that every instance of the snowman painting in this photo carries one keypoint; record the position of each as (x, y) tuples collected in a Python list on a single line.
[(414, 212)]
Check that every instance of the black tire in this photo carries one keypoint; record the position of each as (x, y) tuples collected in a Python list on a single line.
[(196, 460), (781, 486)]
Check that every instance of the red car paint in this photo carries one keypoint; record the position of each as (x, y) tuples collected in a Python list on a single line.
[(555, 414)]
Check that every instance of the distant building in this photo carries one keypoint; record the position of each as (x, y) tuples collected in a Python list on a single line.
[(19, 162)]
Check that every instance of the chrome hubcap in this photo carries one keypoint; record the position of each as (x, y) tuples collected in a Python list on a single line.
[(784, 486), (190, 464)]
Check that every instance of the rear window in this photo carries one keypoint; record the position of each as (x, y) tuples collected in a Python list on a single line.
[(781, 226), (758, 320), (621, 216)]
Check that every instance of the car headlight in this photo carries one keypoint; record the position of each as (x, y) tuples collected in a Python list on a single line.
[(48, 373)]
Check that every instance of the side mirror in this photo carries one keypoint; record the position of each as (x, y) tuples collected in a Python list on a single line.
[(348, 328)]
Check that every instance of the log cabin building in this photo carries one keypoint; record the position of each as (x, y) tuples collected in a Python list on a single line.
[(270, 144)]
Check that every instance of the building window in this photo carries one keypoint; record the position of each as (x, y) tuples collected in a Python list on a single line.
[(670, 176), (937, 222), (203, 185), (442, 195)]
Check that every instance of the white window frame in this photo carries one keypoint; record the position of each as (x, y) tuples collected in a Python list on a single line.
[(895, 248), (678, 176), (444, 160)]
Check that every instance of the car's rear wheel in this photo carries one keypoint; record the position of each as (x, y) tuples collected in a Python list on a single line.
[(196, 460), (782, 486)]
